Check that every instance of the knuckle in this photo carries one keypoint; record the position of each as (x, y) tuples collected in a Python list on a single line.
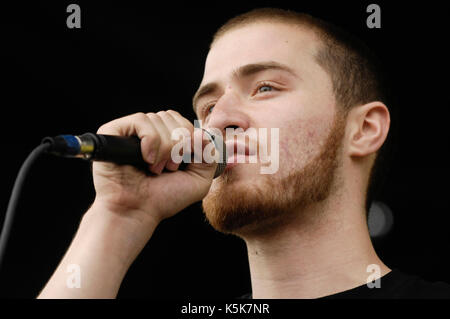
[(161, 113), (152, 115), (140, 116), (173, 112)]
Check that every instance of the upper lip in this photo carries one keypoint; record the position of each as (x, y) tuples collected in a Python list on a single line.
[(233, 147)]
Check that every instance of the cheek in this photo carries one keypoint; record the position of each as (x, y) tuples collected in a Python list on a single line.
[(303, 125), (301, 141)]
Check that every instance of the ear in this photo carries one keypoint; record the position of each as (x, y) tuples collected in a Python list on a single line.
[(368, 128)]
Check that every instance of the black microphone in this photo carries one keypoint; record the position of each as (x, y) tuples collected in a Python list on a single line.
[(122, 150)]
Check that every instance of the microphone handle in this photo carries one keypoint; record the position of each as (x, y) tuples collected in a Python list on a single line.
[(122, 150)]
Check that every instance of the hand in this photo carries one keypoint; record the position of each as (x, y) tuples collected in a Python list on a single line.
[(149, 198)]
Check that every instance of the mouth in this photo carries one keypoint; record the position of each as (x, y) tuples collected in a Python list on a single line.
[(239, 153)]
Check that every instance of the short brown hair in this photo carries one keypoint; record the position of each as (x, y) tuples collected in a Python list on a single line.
[(354, 70)]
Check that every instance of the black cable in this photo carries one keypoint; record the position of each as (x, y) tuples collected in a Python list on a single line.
[(14, 199)]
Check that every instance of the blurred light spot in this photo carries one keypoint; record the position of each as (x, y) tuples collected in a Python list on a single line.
[(380, 220)]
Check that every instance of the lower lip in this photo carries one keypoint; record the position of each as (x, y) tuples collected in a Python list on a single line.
[(239, 159), (230, 165)]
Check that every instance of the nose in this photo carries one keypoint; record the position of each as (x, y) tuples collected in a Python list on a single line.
[(228, 112)]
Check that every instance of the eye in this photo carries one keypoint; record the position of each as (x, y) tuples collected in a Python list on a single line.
[(264, 87)]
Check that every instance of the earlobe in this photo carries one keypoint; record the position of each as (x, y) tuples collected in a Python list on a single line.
[(369, 126)]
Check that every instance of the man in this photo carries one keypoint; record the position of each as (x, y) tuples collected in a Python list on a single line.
[(304, 225)]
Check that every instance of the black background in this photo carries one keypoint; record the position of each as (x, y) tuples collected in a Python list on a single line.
[(131, 58)]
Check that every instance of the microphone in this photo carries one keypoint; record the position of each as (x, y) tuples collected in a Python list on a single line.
[(122, 150)]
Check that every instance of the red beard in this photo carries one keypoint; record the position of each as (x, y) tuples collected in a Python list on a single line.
[(248, 208)]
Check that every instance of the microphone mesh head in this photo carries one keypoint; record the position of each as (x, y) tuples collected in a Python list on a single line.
[(220, 168), (222, 149)]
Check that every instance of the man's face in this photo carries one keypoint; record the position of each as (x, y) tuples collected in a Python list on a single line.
[(292, 93)]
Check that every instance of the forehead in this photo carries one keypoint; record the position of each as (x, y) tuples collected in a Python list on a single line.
[(261, 41)]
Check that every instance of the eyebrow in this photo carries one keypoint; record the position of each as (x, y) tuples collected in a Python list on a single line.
[(243, 71)]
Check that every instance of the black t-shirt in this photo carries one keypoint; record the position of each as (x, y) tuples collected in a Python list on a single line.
[(394, 285)]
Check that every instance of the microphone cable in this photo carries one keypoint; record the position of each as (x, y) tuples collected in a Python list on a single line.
[(118, 149), (14, 199)]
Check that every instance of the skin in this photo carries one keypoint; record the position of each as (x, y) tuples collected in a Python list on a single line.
[(324, 248), (300, 103)]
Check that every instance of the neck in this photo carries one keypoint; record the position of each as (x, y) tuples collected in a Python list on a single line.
[(324, 251)]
